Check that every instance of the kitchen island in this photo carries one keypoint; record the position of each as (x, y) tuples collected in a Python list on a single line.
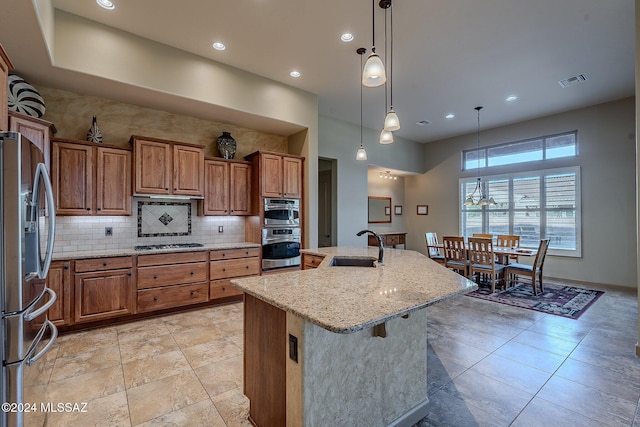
[(342, 345)]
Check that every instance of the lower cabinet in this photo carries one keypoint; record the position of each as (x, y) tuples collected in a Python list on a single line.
[(230, 263), (59, 280), (310, 261), (103, 289), (171, 280)]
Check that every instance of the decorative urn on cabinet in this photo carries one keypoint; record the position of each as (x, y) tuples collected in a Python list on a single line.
[(226, 145)]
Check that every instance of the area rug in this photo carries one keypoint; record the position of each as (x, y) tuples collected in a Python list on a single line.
[(558, 299)]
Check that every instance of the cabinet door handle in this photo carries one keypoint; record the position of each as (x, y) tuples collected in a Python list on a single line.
[(88, 209), (99, 209), (155, 277), (247, 266), (129, 274), (66, 267), (155, 298), (191, 273), (224, 288), (192, 293), (104, 264), (224, 269), (167, 188)]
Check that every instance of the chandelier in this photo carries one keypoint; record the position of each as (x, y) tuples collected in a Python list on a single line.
[(479, 197)]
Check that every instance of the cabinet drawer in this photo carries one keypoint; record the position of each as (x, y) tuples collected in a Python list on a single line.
[(171, 258), (234, 268), (311, 261), (100, 264), (222, 289), (166, 275), (234, 253), (172, 296)]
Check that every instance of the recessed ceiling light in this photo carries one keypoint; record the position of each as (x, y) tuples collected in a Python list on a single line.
[(218, 46), (295, 74), (106, 4), (346, 37), (449, 116), (511, 98)]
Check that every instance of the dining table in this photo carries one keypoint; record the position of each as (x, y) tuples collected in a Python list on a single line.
[(505, 252)]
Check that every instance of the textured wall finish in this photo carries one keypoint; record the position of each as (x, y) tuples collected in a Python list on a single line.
[(72, 114)]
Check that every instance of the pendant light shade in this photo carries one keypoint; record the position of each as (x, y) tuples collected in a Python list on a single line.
[(386, 137), (373, 74), (361, 154), (391, 122)]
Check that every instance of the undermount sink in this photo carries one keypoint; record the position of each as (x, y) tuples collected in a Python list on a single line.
[(352, 261)]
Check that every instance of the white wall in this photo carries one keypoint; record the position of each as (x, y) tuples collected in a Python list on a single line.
[(394, 189), (606, 138), (340, 140)]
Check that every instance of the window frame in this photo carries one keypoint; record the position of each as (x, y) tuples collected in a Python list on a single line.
[(538, 173), (544, 138)]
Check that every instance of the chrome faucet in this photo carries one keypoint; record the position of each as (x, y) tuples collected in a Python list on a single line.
[(380, 247)]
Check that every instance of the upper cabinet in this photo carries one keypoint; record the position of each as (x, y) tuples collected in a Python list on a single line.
[(5, 67), (89, 179), (227, 188), (279, 175), (167, 167), (36, 130)]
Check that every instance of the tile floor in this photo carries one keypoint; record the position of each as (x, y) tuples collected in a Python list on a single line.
[(488, 365)]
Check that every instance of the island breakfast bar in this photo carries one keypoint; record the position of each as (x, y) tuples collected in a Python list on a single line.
[(342, 345)]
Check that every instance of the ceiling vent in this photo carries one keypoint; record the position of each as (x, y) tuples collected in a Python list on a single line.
[(423, 122), (573, 80)]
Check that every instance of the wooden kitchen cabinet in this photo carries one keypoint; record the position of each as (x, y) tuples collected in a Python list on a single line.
[(90, 180), (167, 167), (227, 188), (230, 263), (36, 130), (59, 280), (279, 175), (171, 280), (389, 239), (103, 289), (310, 261), (5, 67)]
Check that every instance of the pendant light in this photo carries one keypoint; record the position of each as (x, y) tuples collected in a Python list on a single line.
[(386, 136), (373, 73), (361, 154), (483, 198), (391, 122)]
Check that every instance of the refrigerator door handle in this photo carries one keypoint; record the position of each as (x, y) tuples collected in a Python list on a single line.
[(52, 340), (41, 171), (29, 316)]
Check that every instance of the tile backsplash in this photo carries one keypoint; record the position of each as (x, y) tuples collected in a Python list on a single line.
[(87, 233), (157, 219)]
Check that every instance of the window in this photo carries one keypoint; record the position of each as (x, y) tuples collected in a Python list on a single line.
[(546, 147), (534, 205)]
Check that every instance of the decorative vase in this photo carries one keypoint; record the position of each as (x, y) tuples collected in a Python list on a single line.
[(226, 145), (94, 134)]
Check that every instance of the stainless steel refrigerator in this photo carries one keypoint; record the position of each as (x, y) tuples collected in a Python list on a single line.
[(27, 219)]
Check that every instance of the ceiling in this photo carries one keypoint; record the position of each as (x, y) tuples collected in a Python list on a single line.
[(449, 56)]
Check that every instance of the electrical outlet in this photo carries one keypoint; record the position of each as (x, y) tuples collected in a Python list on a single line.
[(108, 231), (220, 229)]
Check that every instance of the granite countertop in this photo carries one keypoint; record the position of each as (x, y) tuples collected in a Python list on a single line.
[(349, 299), (131, 251)]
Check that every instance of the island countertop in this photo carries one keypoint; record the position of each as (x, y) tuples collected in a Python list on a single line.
[(349, 299)]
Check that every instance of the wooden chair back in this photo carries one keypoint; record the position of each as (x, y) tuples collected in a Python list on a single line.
[(481, 251), (455, 253), (433, 250), (483, 235), (538, 263), (508, 241)]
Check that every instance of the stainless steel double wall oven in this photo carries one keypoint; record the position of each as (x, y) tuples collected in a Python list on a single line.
[(281, 237)]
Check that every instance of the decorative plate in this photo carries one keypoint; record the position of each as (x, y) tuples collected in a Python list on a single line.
[(24, 98)]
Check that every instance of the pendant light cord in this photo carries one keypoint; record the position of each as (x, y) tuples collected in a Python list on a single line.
[(386, 103), (390, 54), (361, 103), (373, 26)]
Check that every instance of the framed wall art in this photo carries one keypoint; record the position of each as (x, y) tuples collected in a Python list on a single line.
[(423, 210)]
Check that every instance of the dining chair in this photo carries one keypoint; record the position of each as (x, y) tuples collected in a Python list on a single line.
[(455, 254), (433, 248), (482, 261), (508, 241), (534, 271)]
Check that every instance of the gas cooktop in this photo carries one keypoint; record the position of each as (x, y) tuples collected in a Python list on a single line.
[(167, 246)]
